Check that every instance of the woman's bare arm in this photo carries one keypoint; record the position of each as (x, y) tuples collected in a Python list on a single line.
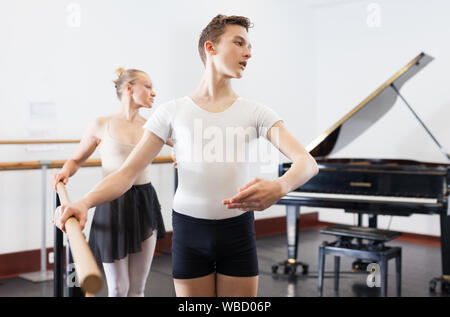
[(115, 184), (89, 142)]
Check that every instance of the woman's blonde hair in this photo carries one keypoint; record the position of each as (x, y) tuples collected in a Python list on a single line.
[(126, 76)]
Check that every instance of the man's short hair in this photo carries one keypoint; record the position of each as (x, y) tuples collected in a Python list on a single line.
[(214, 30)]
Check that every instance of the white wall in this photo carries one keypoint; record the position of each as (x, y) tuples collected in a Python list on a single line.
[(353, 59), (43, 58), (312, 62)]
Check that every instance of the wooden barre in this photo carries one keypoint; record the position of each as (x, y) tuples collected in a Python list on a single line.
[(12, 142), (86, 267), (30, 165)]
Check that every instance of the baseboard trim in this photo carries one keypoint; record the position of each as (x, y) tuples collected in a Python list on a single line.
[(14, 264)]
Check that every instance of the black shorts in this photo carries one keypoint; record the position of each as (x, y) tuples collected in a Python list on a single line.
[(202, 246)]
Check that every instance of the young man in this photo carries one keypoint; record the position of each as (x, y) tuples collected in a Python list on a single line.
[(213, 243)]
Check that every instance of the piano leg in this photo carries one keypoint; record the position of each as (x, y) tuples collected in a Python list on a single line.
[(292, 229), (445, 257), (292, 222), (445, 244), (445, 252)]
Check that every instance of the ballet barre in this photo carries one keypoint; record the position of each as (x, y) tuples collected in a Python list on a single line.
[(17, 142), (87, 271), (43, 275), (30, 165)]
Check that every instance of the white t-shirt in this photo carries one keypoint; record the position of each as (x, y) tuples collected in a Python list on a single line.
[(213, 151)]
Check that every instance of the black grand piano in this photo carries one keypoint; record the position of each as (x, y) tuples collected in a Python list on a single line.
[(372, 186)]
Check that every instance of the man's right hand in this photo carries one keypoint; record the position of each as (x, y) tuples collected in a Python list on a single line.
[(78, 209)]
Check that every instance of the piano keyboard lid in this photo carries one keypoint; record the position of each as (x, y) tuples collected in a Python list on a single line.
[(369, 111)]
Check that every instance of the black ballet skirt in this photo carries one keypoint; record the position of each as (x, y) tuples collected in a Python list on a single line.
[(119, 227)]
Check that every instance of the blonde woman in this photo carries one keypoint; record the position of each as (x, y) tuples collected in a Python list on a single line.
[(124, 231)]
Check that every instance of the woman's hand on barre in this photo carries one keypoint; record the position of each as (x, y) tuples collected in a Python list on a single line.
[(78, 209), (174, 158), (61, 176)]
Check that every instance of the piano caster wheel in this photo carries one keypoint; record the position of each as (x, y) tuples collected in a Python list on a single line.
[(289, 270), (432, 286), (274, 269), (305, 269), (292, 270), (445, 287)]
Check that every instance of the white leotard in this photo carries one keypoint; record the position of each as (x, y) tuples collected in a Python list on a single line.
[(213, 151)]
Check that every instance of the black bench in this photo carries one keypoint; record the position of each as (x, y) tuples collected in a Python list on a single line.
[(372, 250)]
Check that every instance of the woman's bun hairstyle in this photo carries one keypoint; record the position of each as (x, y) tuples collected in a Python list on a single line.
[(125, 76)]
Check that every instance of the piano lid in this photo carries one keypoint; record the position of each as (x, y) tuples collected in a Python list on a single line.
[(369, 111)]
